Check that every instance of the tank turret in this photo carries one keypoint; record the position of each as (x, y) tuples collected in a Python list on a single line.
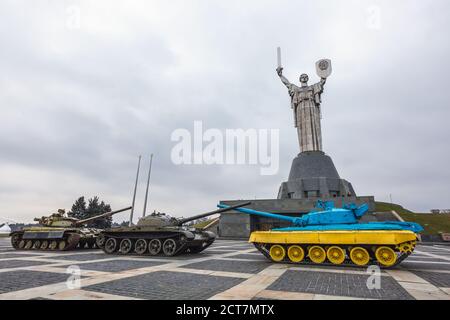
[(325, 214), (158, 219), (335, 235), (59, 232), (60, 219)]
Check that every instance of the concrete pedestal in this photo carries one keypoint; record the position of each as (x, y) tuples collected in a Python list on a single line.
[(313, 175)]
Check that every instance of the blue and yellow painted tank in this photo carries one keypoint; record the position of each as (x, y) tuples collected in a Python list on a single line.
[(335, 235)]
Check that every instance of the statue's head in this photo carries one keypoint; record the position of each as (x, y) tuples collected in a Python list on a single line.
[(304, 79)]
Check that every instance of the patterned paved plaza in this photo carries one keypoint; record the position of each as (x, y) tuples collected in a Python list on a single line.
[(226, 270)]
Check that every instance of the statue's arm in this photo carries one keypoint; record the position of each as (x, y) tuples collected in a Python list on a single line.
[(283, 78), (318, 87), (285, 81)]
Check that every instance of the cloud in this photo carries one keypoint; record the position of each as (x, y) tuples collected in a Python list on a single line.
[(79, 104)]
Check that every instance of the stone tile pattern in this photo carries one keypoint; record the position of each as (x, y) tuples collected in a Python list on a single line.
[(167, 285), (167, 259), (230, 266), (118, 265), (218, 251), (183, 285), (11, 263), (24, 279), (424, 266), (250, 256), (441, 280), (82, 256), (338, 284), (16, 255)]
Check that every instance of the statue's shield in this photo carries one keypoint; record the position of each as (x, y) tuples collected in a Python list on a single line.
[(323, 68)]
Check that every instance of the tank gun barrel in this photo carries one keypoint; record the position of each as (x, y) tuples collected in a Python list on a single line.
[(348, 214), (261, 213), (107, 214), (182, 221)]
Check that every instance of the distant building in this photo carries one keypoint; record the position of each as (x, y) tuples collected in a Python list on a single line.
[(5, 230), (440, 210)]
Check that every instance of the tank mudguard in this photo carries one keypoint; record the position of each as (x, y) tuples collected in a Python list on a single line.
[(202, 235), (388, 225), (43, 235), (188, 234)]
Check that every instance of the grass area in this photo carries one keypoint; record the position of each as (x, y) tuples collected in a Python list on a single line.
[(202, 224), (387, 207), (432, 223)]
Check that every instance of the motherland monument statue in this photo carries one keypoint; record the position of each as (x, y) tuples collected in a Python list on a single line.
[(305, 103), (313, 174)]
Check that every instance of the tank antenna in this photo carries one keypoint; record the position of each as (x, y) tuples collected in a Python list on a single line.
[(148, 182), (134, 194)]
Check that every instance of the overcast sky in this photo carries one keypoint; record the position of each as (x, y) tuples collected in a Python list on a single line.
[(80, 99)]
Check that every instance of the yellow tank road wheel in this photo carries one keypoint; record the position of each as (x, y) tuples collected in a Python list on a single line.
[(277, 252), (359, 256), (317, 254), (296, 253), (406, 247), (386, 256), (336, 254)]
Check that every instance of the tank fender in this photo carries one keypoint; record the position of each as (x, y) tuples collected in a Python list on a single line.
[(43, 235), (412, 226), (209, 234), (188, 234)]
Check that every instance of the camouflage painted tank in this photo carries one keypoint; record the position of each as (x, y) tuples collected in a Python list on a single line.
[(59, 232), (159, 234)]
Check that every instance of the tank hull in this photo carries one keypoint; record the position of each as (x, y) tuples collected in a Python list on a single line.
[(55, 239), (163, 242), (385, 248)]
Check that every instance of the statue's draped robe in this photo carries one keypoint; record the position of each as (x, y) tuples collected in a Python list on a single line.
[(305, 102)]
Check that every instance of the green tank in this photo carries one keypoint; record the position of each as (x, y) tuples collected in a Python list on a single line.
[(59, 232), (159, 234)]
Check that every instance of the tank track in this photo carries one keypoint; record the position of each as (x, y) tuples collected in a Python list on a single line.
[(127, 243), (347, 262), (70, 241), (198, 249)]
